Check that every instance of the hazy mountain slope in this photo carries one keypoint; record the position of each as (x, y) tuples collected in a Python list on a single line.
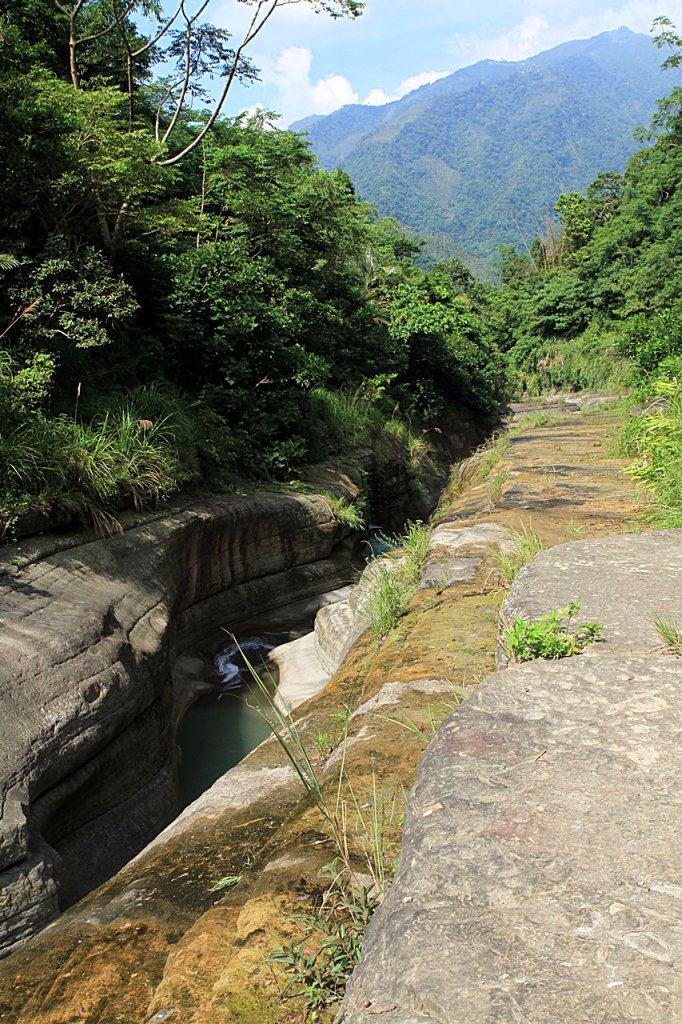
[(479, 157)]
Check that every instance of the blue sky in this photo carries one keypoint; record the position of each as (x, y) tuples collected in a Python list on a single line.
[(311, 64)]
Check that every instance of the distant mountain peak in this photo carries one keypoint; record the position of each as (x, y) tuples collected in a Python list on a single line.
[(470, 160)]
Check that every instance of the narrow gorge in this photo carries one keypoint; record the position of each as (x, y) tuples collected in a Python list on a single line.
[(162, 940), (97, 665)]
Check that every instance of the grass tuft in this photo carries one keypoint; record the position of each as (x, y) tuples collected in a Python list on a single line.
[(527, 544), (319, 963), (671, 636), (395, 583)]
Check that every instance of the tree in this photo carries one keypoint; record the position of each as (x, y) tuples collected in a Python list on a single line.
[(199, 50), (668, 36)]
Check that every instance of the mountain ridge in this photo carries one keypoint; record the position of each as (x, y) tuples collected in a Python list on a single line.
[(475, 159)]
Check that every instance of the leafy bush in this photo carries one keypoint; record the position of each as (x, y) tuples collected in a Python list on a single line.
[(550, 636), (649, 340), (655, 438)]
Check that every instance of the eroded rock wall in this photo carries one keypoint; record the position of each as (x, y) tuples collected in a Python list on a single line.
[(87, 765)]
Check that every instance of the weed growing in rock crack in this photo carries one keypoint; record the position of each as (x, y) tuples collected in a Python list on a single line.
[(497, 482), (671, 636), (550, 636), (541, 418), (395, 585), (488, 455), (348, 514), (573, 529), (527, 545), (323, 744), (319, 964), (435, 714), (226, 882), (321, 961)]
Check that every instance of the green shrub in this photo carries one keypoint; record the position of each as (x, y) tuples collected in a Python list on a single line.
[(655, 439), (650, 340), (550, 636)]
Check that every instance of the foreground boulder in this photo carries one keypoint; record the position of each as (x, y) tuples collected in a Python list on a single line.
[(539, 875)]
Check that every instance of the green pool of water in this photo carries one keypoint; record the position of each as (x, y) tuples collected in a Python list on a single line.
[(223, 726)]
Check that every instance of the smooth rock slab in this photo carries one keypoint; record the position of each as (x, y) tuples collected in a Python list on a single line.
[(624, 582), (539, 880)]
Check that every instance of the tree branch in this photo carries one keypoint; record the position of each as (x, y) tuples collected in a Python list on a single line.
[(254, 28)]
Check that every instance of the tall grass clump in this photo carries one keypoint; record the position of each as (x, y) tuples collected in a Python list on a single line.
[(654, 438), (348, 419), (526, 544), (117, 459), (395, 583), (488, 456), (670, 634), (319, 963)]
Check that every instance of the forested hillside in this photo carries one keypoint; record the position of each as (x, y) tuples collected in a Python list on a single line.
[(595, 301), (477, 159), (188, 301)]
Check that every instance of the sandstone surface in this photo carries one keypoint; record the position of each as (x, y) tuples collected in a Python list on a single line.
[(539, 873), (159, 941)]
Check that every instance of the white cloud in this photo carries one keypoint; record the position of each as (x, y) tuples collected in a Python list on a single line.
[(546, 26), (297, 95), (377, 97)]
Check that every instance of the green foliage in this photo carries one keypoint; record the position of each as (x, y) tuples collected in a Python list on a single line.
[(447, 342), (551, 636), (649, 340), (525, 546), (655, 438), (671, 635), (396, 580), (348, 420), (258, 284), (319, 964), (489, 455), (348, 514), (136, 453), (604, 311), (387, 602)]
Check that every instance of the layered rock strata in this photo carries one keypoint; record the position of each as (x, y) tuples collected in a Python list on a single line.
[(87, 759)]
